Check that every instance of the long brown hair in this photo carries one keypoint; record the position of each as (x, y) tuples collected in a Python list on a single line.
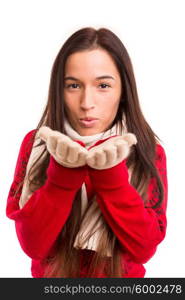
[(67, 260)]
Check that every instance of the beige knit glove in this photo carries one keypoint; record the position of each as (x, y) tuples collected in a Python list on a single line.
[(111, 152), (71, 154), (64, 150)]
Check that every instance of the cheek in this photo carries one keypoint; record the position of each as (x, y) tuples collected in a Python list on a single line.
[(110, 103), (69, 104)]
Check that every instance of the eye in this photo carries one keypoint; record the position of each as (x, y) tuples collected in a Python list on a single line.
[(72, 85), (104, 85)]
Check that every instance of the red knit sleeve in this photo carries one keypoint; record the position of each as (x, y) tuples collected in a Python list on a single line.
[(139, 229), (43, 216)]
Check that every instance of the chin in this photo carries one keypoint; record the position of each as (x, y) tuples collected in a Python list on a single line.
[(88, 131)]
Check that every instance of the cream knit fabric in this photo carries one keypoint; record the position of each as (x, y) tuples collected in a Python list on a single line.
[(88, 225)]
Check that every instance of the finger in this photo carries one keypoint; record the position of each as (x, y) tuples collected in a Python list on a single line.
[(51, 144), (90, 159), (82, 158), (100, 158), (122, 150), (73, 153), (111, 154), (130, 138), (44, 132), (61, 149)]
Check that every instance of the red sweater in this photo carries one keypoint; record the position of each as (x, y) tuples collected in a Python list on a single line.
[(138, 229)]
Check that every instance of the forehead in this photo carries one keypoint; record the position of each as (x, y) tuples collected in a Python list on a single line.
[(91, 62)]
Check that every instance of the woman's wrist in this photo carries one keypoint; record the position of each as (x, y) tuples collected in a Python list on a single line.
[(110, 178), (69, 178)]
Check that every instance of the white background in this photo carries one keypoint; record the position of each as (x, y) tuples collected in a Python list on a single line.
[(32, 33)]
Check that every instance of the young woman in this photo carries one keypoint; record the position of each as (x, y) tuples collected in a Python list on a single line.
[(89, 193)]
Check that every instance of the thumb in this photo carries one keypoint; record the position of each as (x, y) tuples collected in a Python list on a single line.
[(44, 132), (130, 138)]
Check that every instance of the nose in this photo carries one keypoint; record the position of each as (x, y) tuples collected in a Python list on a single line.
[(87, 100)]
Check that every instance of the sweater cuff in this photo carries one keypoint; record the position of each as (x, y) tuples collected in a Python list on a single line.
[(111, 178), (68, 178)]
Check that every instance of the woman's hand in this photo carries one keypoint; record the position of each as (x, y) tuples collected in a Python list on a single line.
[(72, 155), (111, 152), (65, 151)]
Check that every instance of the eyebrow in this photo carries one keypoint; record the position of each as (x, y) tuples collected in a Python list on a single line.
[(97, 78)]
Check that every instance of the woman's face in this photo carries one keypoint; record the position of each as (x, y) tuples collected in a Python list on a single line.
[(92, 89)]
